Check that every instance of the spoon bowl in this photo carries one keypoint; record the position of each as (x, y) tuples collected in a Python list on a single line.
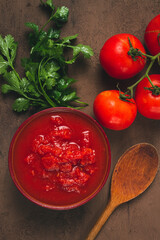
[(133, 174)]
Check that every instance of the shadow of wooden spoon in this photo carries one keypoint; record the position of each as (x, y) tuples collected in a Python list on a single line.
[(133, 174)]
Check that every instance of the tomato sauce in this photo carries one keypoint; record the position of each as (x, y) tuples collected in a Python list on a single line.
[(60, 158)]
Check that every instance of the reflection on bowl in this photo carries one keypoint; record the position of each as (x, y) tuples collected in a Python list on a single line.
[(59, 158)]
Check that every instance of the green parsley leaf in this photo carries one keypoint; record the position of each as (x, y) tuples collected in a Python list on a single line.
[(61, 16), (69, 97), (50, 83), (64, 83), (33, 26), (3, 65), (51, 67), (48, 3), (21, 104), (84, 49), (24, 84), (69, 38), (33, 91), (3, 47), (8, 47), (80, 48), (5, 88), (57, 95), (12, 79), (53, 33)]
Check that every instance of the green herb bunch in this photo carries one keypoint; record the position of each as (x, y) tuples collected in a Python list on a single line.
[(46, 83)]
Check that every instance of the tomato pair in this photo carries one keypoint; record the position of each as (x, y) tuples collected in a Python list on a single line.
[(147, 97), (119, 60), (117, 114)]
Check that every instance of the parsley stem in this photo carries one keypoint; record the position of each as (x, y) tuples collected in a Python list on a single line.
[(45, 24), (42, 88), (80, 102)]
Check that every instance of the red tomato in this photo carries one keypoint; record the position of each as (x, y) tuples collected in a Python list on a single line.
[(115, 59), (112, 112), (151, 36), (148, 104)]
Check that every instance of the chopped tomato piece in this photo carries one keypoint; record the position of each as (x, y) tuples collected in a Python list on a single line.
[(30, 158), (50, 163), (56, 119), (66, 167), (86, 138), (63, 132)]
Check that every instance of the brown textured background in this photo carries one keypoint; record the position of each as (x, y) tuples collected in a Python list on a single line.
[(95, 21)]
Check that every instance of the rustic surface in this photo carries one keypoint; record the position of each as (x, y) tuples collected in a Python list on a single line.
[(95, 21)]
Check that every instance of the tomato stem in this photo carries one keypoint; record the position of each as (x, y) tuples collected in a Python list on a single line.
[(155, 89)]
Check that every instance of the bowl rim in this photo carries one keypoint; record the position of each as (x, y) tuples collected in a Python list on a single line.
[(24, 192)]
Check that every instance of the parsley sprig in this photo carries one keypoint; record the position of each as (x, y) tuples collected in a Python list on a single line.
[(46, 82)]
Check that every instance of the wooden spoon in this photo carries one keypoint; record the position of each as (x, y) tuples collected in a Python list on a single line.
[(133, 173)]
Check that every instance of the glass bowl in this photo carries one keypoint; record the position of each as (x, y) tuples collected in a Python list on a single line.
[(59, 158)]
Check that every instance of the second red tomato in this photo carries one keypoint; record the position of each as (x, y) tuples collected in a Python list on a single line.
[(115, 59), (112, 112), (152, 35), (148, 103)]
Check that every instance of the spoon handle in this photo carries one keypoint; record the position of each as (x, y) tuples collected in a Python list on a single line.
[(101, 221)]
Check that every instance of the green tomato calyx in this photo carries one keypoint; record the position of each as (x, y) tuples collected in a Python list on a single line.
[(134, 52), (155, 90)]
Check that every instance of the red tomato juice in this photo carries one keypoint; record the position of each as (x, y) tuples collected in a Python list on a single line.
[(59, 158)]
